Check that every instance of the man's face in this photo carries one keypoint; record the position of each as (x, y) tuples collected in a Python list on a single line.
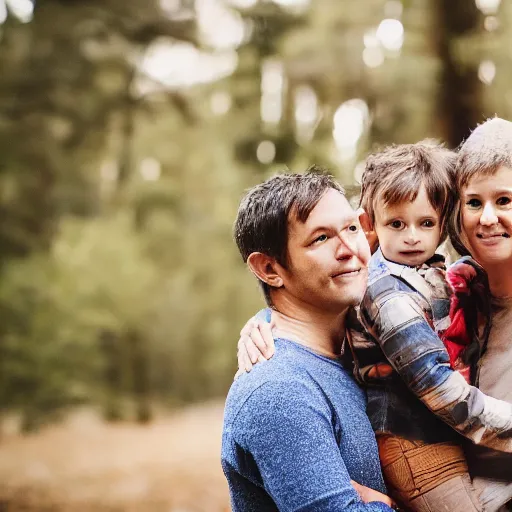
[(408, 232), (327, 256), (486, 212)]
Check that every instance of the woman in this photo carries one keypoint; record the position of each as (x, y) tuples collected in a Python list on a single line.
[(482, 227)]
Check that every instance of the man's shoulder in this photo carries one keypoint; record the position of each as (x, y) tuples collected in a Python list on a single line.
[(283, 370), (291, 377), (255, 401)]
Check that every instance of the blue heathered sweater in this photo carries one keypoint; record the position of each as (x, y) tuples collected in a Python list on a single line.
[(295, 433)]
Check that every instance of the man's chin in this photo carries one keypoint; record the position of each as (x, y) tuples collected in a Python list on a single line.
[(354, 295), (354, 300)]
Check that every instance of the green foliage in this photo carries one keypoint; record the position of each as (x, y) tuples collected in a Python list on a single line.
[(55, 306)]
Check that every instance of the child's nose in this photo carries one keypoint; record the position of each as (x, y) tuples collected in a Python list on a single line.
[(411, 237)]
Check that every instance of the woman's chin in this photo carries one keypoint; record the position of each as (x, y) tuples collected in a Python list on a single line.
[(493, 257)]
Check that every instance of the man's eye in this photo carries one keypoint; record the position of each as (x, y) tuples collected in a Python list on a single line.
[(354, 228), (474, 203), (321, 238), (502, 201), (397, 224)]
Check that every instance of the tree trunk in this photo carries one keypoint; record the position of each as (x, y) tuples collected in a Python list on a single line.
[(461, 91)]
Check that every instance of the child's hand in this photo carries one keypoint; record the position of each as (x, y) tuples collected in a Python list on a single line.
[(256, 344)]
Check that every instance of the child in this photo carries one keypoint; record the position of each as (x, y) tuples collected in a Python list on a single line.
[(406, 192)]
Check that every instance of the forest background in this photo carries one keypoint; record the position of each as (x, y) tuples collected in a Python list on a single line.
[(129, 130)]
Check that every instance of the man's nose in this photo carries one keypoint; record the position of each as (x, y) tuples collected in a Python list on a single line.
[(488, 217)]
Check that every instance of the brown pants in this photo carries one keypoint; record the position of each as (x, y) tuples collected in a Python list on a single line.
[(427, 477)]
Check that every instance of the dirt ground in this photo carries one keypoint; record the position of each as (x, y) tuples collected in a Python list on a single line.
[(86, 465)]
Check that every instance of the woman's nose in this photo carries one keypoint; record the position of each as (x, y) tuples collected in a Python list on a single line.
[(488, 217)]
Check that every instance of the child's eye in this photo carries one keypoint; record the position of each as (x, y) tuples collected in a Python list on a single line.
[(502, 201), (429, 223), (397, 224), (474, 203)]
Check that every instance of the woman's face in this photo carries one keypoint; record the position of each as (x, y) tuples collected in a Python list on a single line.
[(486, 214)]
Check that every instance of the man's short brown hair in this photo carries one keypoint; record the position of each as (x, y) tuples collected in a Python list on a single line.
[(395, 175), (488, 148), (262, 222)]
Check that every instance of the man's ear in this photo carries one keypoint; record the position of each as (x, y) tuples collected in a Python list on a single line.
[(369, 230), (265, 268)]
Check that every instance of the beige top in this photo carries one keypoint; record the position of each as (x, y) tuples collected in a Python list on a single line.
[(496, 381), (496, 364)]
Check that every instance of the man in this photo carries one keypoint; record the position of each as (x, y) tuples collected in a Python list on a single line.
[(295, 428)]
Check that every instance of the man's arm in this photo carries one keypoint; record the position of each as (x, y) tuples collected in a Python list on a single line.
[(289, 435), (421, 360)]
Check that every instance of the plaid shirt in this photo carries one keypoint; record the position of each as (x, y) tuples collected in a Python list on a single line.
[(401, 312)]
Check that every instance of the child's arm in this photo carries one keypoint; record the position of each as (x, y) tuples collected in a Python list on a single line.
[(420, 358)]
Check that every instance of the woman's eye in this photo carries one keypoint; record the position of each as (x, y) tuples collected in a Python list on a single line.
[(474, 203), (321, 238), (397, 224), (502, 201)]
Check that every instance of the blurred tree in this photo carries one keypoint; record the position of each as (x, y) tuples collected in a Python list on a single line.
[(65, 75), (461, 91)]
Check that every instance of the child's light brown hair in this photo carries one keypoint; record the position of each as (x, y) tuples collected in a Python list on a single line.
[(488, 148), (395, 175)]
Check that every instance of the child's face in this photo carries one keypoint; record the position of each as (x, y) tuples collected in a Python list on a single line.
[(487, 217), (409, 232)]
